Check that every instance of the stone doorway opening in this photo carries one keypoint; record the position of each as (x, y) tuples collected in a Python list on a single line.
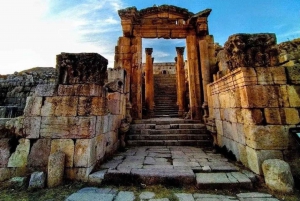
[(160, 81)]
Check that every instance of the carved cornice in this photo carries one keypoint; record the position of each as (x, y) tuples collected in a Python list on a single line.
[(180, 50), (148, 51), (166, 8)]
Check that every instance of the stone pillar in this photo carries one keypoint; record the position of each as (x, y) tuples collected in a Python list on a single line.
[(205, 69), (180, 81), (194, 77), (149, 83), (136, 77), (123, 58)]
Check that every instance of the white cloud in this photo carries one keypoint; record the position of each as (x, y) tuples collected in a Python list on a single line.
[(32, 33)]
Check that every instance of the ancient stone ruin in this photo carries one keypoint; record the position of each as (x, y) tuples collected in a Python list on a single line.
[(246, 94)]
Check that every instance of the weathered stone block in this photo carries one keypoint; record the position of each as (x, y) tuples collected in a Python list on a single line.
[(15, 126), (89, 90), (114, 106), (230, 115), (39, 153), (92, 106), (100, 146), (293, 73), (266, 137), (257, 157), (4, 174), (294, 95), (60, 106), (278, 176), (244, 76), (84, 154), (68, 127), (56, 166), (219, 125), (278, 75), (251, 116), (32, 127), (4, 152), (81, 68), (259, 96), (67, 147), (243, 155), (284, 96), (264, 76), (273, 116), (19, 157), (46, 90), (66, 90), (33, 106), (291, 115), (37, 180)]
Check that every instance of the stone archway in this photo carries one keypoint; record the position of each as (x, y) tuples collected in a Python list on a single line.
[(169, 22)]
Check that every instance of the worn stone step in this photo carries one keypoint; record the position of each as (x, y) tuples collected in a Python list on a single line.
[(170, 137), (198, 143), (163, 121), (175, 131), (168, 126), (223, 180)]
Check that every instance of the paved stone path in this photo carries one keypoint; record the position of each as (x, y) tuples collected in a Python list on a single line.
[(172, 165), (109, 194)]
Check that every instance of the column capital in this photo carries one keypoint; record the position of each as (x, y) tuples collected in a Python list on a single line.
[(180, 50), (148, 51)]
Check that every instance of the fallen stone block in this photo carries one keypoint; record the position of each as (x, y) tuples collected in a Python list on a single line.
[(19, 157), (56, 165), (37, 180), (278, 176)]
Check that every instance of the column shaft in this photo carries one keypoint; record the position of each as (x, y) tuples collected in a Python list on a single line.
[(180, 81), (149, 83)]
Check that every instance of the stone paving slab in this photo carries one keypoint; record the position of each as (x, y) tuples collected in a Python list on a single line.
[(223, 180), (112, 194), (148, 163)]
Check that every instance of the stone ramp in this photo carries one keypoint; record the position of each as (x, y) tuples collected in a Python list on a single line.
[(171, 165)]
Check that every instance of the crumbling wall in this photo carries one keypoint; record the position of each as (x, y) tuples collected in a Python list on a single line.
[(15, 88), (254, 107), (80, 117)]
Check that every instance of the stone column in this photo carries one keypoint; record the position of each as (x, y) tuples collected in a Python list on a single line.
[(136, 77), (149, 83), (194, 77), (205, 69), (180, 81)]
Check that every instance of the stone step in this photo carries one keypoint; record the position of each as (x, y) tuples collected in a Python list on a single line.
[(163, 121), (167, 131), (168, 126), (197, 143), (221, 180), (170, 137)]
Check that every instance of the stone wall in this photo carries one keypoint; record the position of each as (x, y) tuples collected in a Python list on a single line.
[(163, 68), (15, 88), (254, 108), (78, 117)]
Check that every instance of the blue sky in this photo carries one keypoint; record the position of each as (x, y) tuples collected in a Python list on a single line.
[(33, 32)]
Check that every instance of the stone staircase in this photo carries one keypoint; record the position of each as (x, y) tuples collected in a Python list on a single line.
[(165, 97), (168, 132)]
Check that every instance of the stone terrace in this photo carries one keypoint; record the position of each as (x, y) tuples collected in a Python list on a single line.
[(172, 165)]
